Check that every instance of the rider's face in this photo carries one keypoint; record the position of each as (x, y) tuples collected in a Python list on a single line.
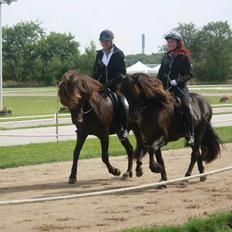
[(172, 44), (106, 45)]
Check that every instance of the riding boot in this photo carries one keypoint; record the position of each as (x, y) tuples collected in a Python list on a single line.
[(189, 122), (123, 113)]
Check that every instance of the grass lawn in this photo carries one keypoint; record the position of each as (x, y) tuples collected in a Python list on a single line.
[(40, 105), (31, 154), (31, 105), (30, 89), (221, 222)]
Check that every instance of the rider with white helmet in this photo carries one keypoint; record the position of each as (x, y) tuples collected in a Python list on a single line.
[(174, 72)]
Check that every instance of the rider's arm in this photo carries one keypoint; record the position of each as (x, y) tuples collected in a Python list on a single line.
[(121, 66), (186, 73)]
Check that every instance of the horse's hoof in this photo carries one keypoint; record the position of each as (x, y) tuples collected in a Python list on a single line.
[(139, 172), (185, 183), (72, 180), (156, 168), (116, 172), (161, 186), (126, 175), (203, 178)]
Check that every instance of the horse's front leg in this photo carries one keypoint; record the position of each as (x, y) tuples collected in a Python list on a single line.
[(194, 154), (201, 167), (140, 150), (80, 141), (105, 156), (161, 165), (154, 167), (140, 153), (129, 149)]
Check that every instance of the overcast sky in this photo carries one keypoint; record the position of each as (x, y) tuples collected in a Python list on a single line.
[(128, 19)]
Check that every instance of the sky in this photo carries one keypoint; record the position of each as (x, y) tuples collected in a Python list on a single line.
[(128, 19)]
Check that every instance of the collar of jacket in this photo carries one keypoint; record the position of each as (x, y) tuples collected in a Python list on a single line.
[(116, 50)]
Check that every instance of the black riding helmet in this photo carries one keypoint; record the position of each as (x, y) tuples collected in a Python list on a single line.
[(174, 35), (106, 35)]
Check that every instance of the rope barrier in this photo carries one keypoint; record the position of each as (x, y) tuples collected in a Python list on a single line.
[(33, 135), (111, 191), (63, 135)]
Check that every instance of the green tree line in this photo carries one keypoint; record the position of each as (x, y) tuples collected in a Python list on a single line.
[(211, 48), (32, 57)]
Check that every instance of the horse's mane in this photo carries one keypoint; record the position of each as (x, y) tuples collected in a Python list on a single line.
[(152, 88), (75, 86)]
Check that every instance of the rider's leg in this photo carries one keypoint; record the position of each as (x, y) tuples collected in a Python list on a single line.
[(123, 112), (183, 94), (189, 122)]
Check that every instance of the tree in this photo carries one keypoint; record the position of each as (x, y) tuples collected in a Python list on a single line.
[(86, 62), (211, 50), (18, 50), (214, 61), (154, 58), (57, 52)]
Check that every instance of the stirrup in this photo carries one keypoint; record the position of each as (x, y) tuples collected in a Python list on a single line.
[(123, 134), (191, 140)]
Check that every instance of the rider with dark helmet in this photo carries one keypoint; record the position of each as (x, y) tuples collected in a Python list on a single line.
[(109, 69), (174, 72)]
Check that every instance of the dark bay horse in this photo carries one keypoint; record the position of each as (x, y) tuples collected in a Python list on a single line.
[(77, 92), (160, 119)]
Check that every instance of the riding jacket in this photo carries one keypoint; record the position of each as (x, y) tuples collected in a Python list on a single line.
[(176, 67), (113, 71)]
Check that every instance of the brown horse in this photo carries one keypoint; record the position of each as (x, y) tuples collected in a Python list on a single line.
[(160, 119), (84, 97)]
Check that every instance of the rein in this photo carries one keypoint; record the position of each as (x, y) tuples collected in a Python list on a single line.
[(84, 112), (87, 111)]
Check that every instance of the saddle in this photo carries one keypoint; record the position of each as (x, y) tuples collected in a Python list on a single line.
[(178, 109), (113, 97)]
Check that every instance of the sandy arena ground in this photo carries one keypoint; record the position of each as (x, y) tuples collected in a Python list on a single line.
[(154, 207)]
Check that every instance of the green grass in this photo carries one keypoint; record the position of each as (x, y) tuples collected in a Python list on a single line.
[(31, 105), (54, 152), (40, 105), (215, 100), (21, 155), (215, 223), (30, 89)]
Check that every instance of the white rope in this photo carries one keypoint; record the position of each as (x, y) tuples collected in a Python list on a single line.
[(34, 135), (111, 191), (33, 116), (63, 135)]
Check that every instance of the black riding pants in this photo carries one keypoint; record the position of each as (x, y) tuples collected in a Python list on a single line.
[(123, 111), (183, 94)]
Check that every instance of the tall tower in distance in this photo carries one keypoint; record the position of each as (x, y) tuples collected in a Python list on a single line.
[(143, 43)]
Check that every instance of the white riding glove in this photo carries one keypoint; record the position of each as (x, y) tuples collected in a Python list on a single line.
[(173, 83)]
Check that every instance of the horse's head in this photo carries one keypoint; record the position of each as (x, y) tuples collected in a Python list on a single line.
[(131, 90), (141, 90), (75, 88)]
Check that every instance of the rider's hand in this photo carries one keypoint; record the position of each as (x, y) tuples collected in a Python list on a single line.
[(173, 83)]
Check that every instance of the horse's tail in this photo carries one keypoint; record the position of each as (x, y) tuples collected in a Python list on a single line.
[(211, 144)]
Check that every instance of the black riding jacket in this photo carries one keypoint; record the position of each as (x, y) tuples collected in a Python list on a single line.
[(116, 67), (177, 68)]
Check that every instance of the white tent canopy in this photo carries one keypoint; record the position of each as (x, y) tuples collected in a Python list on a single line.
[(138, 67), (142, 68), (156, 69)]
